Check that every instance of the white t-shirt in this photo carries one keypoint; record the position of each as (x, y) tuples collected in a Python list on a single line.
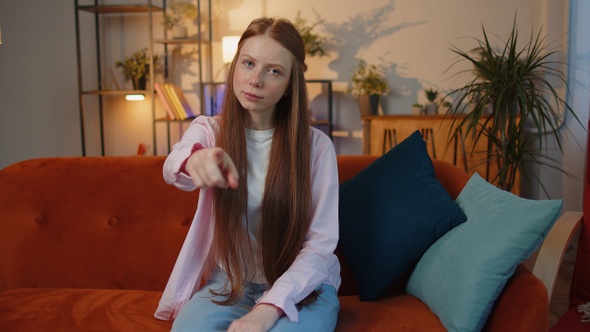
[(258, 148)]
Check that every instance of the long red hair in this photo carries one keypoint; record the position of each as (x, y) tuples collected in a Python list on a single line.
[(286, 203)]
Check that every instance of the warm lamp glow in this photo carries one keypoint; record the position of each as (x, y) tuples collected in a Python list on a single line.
[(135, 96), (229, 47)]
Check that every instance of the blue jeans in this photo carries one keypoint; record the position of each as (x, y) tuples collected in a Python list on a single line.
[(201, 314)]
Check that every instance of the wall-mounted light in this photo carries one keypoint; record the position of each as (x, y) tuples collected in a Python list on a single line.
[(135, 96), (0, 35), (229, 46)]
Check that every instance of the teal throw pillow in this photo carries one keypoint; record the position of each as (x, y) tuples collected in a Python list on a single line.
[(390, 213), (463, 273)]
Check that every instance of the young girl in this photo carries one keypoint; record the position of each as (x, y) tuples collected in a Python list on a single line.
[(266, 225)]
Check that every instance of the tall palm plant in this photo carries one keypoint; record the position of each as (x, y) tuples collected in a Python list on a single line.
[(512, 102)]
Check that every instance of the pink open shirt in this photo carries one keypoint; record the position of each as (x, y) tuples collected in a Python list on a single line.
[(316, 262)]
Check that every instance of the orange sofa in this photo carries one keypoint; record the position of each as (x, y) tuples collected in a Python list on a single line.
[(87, 244)]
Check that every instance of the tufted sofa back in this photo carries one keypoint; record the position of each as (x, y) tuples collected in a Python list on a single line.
[(111, 222), (90, 222)]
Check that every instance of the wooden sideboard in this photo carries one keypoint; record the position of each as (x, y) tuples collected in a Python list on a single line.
[(381, 133)]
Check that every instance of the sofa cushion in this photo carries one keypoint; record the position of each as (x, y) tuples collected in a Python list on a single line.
[(474, 260), (54, 309), (390, 213)]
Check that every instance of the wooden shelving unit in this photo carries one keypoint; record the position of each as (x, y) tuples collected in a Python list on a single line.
[(98, 10), (204, 57)]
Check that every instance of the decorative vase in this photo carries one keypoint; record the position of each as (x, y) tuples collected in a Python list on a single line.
[(417, 110), (430, 109), (443, 110), (368, 104), (374, 103), (139, 83), (179, 32)]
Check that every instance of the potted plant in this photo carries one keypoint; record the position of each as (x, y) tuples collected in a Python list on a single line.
[(368, 84), (513, 104), (179, 11), (136, 68), (313, 42), (417, 109), (431, 95), (444, 107)]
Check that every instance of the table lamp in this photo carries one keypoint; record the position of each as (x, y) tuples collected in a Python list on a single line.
[(229, 46)]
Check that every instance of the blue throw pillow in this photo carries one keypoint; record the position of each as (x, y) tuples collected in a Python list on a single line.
[(463, 273), (390, 213)]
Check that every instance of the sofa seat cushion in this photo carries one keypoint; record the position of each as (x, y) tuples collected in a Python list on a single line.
[(397, 313), (45, 309)]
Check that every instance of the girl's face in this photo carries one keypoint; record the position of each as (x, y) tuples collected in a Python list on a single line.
[(261, 77)]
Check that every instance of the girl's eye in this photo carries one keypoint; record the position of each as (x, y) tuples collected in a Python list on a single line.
[(275, 71), (248, 63)]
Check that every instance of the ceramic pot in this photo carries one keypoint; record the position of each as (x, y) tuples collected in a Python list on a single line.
[(368, 104), (430, 109), (417, 110), (139, 83), (179, 32)]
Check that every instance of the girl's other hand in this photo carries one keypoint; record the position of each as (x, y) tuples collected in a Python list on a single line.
[(260, 319)]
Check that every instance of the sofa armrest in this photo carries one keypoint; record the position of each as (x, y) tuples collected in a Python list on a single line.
[(523, 305), (553, 248)]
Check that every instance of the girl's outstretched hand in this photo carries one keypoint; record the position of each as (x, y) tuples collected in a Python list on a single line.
[(212, 167)]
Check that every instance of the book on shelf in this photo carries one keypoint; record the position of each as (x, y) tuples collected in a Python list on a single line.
[(213, 98), (159, 87), (183, 102), (175, 102)]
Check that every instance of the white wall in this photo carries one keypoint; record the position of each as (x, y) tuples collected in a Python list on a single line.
[(575, 148), (411, 38), (38, 87), (38, 78)]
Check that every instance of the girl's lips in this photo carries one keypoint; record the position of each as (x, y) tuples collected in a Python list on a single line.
[(251, 96)]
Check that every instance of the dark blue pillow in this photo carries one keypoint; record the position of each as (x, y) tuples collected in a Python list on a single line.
[(390, 214)]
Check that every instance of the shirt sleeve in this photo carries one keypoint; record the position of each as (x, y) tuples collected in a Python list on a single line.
[(315, 262), (200, 132)]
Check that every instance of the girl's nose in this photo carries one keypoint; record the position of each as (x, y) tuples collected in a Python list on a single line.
[(256, 80)]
